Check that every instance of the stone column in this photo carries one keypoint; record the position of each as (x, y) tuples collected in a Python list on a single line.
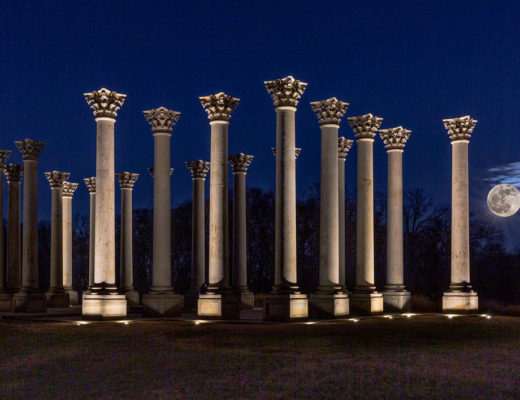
[(285, 303), (150, 171), (198, 169), (56, 296), (219, 301), (330, 300), (297, 151), (91, 185), (365, 299), (30, 298), (395, 296), (5, 297), (344, 146), (161, 300), (127, 181), (68, 191), (239, 164), (460, 297), (103, 301)]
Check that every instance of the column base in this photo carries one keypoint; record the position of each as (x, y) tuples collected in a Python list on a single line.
[(73, 296), (6, 301), (397, 301), (132, 298), (30, 301), (328, 305), (103, 306), (58, 299), (246, 299), (366, 303), (460, 302), (286, 307), (224, 305), (162, 304)]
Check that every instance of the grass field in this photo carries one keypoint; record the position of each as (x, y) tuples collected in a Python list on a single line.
[(419, 357)]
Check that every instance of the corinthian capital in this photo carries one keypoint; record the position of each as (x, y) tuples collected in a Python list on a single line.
[(104, 102), (329, 111), (285, 92), (198, 168), (161, 119), (91, 184), (127, 179), (240, 162), (150, 170), (460, 128), (394, 138), (29, 148), (4, 155), (219, 106), (69, 188), (13, 172), (365, 126), (297, 151), (344, 146), (56, 178)]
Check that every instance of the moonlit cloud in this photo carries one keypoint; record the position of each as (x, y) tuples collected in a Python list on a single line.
[(507, 173)]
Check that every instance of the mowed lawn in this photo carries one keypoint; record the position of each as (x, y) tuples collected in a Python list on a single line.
[(419, 357)]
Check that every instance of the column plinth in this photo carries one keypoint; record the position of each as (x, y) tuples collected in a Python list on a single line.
[(67, 193), (91, 185), (344, 146), (5, 296)]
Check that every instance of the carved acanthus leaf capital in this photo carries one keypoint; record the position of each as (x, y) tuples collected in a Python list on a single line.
[(240, 162), (344, 146), (56, 178), (286, 92), (219, 106), (104, 102), (91, 184), (4, 155), (69, 188), (365, 126), (29, 148), (127, 179), (13, 172), (395, 138), (161, 119), (460, 128), (329, 111), (198, 168), (150, 171), (297, 151)]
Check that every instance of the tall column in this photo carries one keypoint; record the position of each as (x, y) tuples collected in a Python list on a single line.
[(365, 299), (91, 185), (103, 301), (239, 165), (30, 298), (297, 151), (150, 171), (5, 297), (285, 303), (330, 300), (68, 191), (161, 300), (460, 297), (395, 296), (126, 283), (56, 296), (198, 169), (219, 301), (344, 146)]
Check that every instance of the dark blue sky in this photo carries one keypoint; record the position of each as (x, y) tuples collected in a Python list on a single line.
[(412, 63)]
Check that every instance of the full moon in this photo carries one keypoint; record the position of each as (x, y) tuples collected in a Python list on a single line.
[(504, 200)]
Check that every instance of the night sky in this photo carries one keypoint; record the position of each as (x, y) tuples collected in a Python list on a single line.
[(412, 63)]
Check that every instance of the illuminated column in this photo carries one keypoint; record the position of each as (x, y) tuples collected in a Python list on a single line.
[(285, 303), (297, 151), (330, 300), (56, 296), (239, 164), (5, 297), (150, 171), (68, 191), (344, 146), (365, 299), (219, 301), (30, 298), (103, 301), (395, 297), (460, 297), (198, 169), (161, 300), (127, 181), (91, 185)]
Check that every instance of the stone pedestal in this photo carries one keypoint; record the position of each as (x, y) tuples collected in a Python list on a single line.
[(98, 306), (162, 304), (369, 303), (223, 305), (460, 302), (286, 307), (328, 305), (397, 301), (68, 191)]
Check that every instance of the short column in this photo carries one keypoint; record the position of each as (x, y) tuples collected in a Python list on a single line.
[(68, 192), (395, 296), (344, 146), (91, 185), (5, 296), (330, 300), (365, 299), (56, 296), (460, 297), (126, 275)]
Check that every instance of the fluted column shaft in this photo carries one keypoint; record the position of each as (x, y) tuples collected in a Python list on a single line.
[(394, 267), (2, 268), (198, 250), (239, 231), (13, 272), (30, 225), (92, 239), (67, 242), (56, 281), (126, 270), (341, 217)]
